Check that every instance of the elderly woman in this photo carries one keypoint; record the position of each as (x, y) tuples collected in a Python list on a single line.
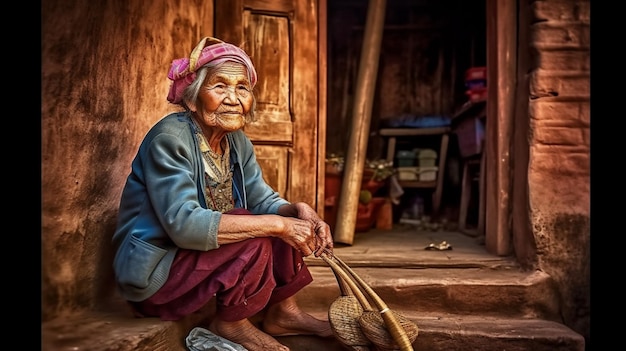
[(197, 221)]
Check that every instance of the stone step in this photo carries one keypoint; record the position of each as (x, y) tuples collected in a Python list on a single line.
[(454, 309), (114, 331), (437, 332), (459, 300), (507, 292)]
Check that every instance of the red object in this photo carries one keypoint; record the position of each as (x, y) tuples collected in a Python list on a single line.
[(366, 215), (332, 191), (475, 73), (371, 185), (476, 95)]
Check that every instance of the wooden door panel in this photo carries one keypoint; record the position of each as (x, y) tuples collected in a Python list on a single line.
[(274, 162), (267, 42), (280, 6), (281, 37)]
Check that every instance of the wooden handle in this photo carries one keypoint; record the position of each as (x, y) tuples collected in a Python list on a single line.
[(345, 279), (393, 325)]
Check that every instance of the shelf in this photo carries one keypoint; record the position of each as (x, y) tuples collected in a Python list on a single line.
[(394, 133), (417, 184), (470, 109), (413, 131)]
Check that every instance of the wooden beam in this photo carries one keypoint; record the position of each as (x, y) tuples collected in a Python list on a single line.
[(322, 88), (361, 117), (501, 71)]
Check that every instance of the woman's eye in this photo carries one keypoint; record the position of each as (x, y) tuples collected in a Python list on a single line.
[(240, 89)]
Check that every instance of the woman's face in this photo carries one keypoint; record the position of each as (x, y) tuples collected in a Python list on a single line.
[(225, 97)]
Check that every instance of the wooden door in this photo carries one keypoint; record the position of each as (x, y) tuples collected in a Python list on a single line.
[(281, 37)]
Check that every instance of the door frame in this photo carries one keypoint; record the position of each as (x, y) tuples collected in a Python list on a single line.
[(502, 41), (322, 94)]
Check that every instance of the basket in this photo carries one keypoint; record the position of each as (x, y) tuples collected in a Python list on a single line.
[(386, 329)]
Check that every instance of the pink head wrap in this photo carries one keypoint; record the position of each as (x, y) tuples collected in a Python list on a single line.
[(183, 70)]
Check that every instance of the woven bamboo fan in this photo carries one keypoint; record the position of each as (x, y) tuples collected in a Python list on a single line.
[(344, 314), (387, 329)]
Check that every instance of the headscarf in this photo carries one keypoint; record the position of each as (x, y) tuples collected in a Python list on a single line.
[(209, 49)]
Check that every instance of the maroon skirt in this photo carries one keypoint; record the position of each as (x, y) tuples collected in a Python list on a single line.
[(244, 277)]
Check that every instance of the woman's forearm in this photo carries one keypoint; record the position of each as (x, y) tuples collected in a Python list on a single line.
[(236, 228)]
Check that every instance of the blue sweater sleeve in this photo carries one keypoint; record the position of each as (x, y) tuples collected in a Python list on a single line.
[(173, 190)]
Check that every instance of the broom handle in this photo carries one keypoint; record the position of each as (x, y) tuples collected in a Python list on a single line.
[(343, 286), (394, 326), (345, 279)]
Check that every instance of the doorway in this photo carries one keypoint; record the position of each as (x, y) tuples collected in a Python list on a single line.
[(427, 47)]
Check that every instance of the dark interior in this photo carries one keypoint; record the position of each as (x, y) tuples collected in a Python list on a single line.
[(427, 48)]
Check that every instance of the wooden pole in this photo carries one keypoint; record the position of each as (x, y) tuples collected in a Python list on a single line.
[(361, 117)]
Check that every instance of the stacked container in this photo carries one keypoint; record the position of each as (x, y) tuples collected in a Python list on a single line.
[(417, 165), (406, 158), (426, 161), (476, 83)]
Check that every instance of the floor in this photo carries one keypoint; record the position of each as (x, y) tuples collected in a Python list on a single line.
[(407, 246)]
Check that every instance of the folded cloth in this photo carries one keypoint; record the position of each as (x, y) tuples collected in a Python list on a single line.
[(395, 190), (200, 339), (414, 121)]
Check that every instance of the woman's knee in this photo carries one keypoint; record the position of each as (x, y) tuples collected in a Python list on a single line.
[(257, 250)]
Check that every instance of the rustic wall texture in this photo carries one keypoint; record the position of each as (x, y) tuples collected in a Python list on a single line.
[(104, 83), (104, 66), (558, 175)]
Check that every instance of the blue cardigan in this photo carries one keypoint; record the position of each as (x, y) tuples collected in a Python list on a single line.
[(163, 207)]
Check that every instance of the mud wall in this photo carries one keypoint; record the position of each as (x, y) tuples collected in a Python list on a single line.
[(104, 83)]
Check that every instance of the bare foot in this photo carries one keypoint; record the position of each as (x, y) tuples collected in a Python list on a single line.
[(244, 333), (286, 318)]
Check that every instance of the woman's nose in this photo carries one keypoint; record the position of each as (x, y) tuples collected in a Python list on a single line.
[(231, 94)]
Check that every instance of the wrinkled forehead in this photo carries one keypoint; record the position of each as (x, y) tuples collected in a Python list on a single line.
[(229, 70)]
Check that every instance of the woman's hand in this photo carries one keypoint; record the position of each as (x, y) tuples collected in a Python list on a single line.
[(310, 234)]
